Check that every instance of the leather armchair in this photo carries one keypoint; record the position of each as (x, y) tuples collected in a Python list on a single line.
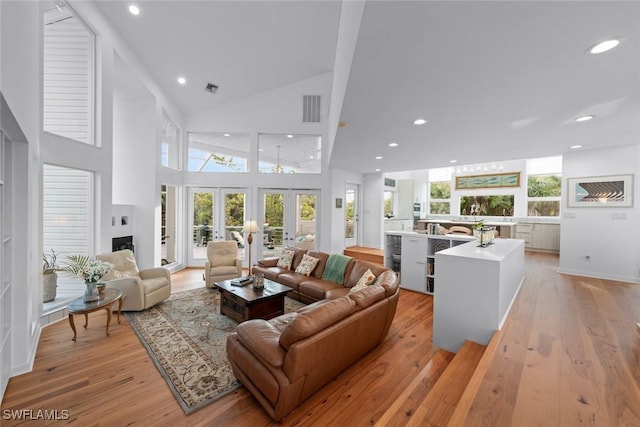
[(222, 262), (140, 289)]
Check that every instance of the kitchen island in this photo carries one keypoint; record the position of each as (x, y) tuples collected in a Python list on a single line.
[(476, 288)]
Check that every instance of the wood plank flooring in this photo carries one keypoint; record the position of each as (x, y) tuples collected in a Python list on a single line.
[(569, 354)]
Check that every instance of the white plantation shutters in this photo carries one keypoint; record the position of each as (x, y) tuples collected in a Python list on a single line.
[(68, 76), (66, 217)]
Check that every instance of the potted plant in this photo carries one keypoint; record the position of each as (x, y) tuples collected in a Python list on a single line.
[(49, 275), (88, 269)]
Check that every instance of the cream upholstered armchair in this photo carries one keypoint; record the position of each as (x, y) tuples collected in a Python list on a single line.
[(140, 289), (222, 262)]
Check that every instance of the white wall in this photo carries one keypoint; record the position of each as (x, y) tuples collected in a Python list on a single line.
[(134, 167), (611, 244), (20, 86)]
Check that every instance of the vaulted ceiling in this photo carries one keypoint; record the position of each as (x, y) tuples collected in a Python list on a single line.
[(495, 80)]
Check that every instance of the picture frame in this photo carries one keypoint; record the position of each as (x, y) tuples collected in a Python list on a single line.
[(338, 202), (600, 191), (495, 180)]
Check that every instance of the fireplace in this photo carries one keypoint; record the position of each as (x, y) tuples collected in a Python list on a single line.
[(120, 243)]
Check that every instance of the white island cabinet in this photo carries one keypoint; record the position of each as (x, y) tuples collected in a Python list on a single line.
[(476, 288)]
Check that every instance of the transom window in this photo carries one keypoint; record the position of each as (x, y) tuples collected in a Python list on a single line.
[(218, 152)]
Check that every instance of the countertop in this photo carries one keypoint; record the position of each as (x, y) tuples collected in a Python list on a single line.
[(499, 250)]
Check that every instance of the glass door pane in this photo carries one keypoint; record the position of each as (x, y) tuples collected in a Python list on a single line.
[(233, 219), (203, 222), (168, 229), (305, 221), (351, 215), (273, 222)]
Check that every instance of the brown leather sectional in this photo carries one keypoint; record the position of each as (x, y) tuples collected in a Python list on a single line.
[(285, 360), (313, 288)]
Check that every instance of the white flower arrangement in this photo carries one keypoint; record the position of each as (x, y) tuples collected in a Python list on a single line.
[(86, 268)]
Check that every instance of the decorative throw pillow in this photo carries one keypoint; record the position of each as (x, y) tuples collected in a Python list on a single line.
[(286, 259), (367, 278), (307, 265)]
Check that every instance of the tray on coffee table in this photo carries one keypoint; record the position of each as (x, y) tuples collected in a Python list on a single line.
[(243, 302)]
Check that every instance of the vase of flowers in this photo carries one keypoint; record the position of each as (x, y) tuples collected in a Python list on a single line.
[(88, 269)]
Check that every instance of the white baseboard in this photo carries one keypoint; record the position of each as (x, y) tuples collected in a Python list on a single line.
[(599, 276)]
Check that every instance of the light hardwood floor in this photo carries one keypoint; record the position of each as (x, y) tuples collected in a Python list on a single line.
[(569, 354)]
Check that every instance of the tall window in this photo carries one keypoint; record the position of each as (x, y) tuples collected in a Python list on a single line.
[(218, 152), (289, 153), (544, 182), (170, 145), (440, 197), (67, 200), (388, 204), (68, 75)]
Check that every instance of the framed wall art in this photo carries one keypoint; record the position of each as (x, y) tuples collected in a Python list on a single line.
[(496, 180), (600, 191)]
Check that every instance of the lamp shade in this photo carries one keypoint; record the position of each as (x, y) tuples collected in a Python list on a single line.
[(251, 226)]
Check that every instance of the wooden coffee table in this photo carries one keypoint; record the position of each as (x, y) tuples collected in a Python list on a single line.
[(107, 299), (243, 303)]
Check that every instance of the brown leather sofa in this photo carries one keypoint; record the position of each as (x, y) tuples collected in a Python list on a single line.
[(285, 360), (313, 288)]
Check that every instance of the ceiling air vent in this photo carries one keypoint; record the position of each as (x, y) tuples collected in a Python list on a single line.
[(310, 108), (211, 88)]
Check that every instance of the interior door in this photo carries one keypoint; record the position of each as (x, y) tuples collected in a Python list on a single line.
[(287, 218), (351, 216), (216, 214)]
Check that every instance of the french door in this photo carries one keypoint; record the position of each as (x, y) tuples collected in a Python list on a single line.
[(215, 214), (287, 218), (351, 216)]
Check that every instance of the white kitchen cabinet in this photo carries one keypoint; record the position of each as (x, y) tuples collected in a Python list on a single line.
[(539, 236), (413, 262)]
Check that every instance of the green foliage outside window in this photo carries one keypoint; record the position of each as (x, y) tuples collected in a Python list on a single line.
[(388, 204), (234, 209), (440, 190), (543, 208), (440, 208), (487, 205), (203, 209), (544, 186)]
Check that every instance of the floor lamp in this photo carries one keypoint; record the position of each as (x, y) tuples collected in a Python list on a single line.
[(250, 227)]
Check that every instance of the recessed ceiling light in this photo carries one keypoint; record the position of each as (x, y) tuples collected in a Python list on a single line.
[(584, 118), (134, 10), (311, 157), (393, 144), (182, 80), (575, 147), (289, 136), (260, 149), (378, 157), (226, 134), (453, 161), (419, 122), (604, 46), (377, 169)]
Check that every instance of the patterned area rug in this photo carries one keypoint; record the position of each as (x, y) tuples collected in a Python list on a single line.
[(186, 337)]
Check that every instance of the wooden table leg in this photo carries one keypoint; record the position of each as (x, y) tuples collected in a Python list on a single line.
[(86, 320), (119, 308), (109, 317), (73, 327)]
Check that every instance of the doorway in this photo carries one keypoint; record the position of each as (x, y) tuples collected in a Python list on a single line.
[(287, 218), (351, 206), (215, 214)]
